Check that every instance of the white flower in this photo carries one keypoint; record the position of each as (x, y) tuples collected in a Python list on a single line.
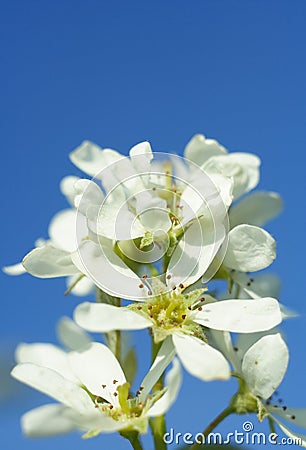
[(260, 363), (92, 390), (242, 168), (178, 317)]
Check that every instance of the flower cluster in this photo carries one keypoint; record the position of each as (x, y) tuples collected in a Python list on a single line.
[(151, 233)]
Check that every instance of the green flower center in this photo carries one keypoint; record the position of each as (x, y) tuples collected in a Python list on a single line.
[(171, 312)]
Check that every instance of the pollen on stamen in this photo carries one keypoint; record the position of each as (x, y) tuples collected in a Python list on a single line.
[(103, 386), (168, 276), (189, 307), (200, 308), (183, 316), (181, 286), (110, 406), (150, 307), (139, 307), (202, 299), (140, 286), (141, 388), (144, 276), (149, 292), (292, 417), (115, 394), (115, 381), (284, 408)]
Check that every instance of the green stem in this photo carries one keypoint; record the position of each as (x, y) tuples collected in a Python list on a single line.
[(133, 437), (158, 423), (226, 412)]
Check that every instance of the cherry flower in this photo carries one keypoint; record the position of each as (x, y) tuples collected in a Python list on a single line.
[(91, 388)]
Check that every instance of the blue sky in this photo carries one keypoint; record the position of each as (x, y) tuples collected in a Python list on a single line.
[(122, 72)]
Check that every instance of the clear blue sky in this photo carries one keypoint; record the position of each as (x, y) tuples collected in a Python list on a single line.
[(121, 72)]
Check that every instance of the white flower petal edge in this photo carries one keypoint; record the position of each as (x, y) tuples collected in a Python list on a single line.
[(249, 249), (241, 316), (48, 420), (49, 262), (91, 159), (45, 355), (163, 358), (55, 385), (199, 149), (173, 381), (97, 367), (292, 434), (100, 317), (15, 269), (256, 209), (200, 359), (71, 335), (101, 263), (264, 365)]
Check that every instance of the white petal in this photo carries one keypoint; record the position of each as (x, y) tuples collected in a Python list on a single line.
[(240, 316), (100, 317), (200, 359), (221, 340), (96, 367), (256, 209), (163, 358), (49, 262), (195, 252), (242, 167), (88, 193), (199, 149), (210, 191), (91, 159), (48, 420), (45, 355), (297, 438), (63, 227), (108, 271), (71, 335), (116, 221), (249, 249), (67, 187), (141, 155), (296, 416), (55, 385), (15, 269), (152, 213), (173, 383), (83, 287), (264, 365)]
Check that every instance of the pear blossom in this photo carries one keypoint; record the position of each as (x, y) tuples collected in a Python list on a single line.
[(260, 361), (92, 390), (179, 317), (242, 168)]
